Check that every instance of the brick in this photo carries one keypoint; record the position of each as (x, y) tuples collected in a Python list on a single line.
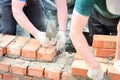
[(14, 48), (46, 53), (1, 52), (5, 64), (53, 71), (8, 76), (80, 68), (30, 49), (36, 69), (6, 40), (19, 67), (113, 73), (105, 53), (69, 76), (104, 41)]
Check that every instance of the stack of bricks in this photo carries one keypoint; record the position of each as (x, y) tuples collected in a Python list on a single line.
[(103, 47), (23, 58)]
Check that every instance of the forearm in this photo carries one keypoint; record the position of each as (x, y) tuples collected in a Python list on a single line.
[(25, 23), (62, 14), (21, 18), (117, 57), (76, 34)]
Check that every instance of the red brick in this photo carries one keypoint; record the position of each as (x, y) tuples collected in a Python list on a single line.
[(5, 64), (8, 76), (36, 69), (37, 72), (69, 76), (80, 68), (6, 40), (20, 67), (30, 49), (104, 41), (53, 71), (15, 47), (105, 53), (1, 52), (46, 53), (113, 73)]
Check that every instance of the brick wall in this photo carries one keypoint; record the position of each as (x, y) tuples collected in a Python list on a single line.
[(23, 58)]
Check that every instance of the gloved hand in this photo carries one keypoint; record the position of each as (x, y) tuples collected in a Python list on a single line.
[(61, 40), (41, 36), (117, 65), (95, 74)]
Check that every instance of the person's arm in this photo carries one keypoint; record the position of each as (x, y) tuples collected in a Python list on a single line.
[(117, 57), (62, 14), (23, 21), (79, 41), (21, 18), (62, 20), (76, 34)]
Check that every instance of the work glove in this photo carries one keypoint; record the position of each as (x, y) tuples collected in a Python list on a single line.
[(95, 74), (61, 40), (41, 36), (117, 65)]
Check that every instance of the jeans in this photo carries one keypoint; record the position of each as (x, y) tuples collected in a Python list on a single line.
[(33, 11), (98, 24)]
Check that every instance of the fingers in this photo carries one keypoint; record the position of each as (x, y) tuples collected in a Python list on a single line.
[(60, 45)]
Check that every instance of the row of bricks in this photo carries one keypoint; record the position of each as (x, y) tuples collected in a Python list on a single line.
[(104, 45), (25, 47), (80, 68), (48, 70), (65, 74)]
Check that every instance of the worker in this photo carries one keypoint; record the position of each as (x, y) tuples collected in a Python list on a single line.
[(81, 13)]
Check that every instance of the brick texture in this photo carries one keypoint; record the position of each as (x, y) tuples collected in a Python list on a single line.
[(14, 48), (5, 64), (104, 41), (6, 40), (47, 54), (36, 69), (20, 67), (105, 53), (30, 49)]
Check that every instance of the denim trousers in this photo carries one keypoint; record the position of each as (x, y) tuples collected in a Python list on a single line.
[(33, 10), (99, 24)]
